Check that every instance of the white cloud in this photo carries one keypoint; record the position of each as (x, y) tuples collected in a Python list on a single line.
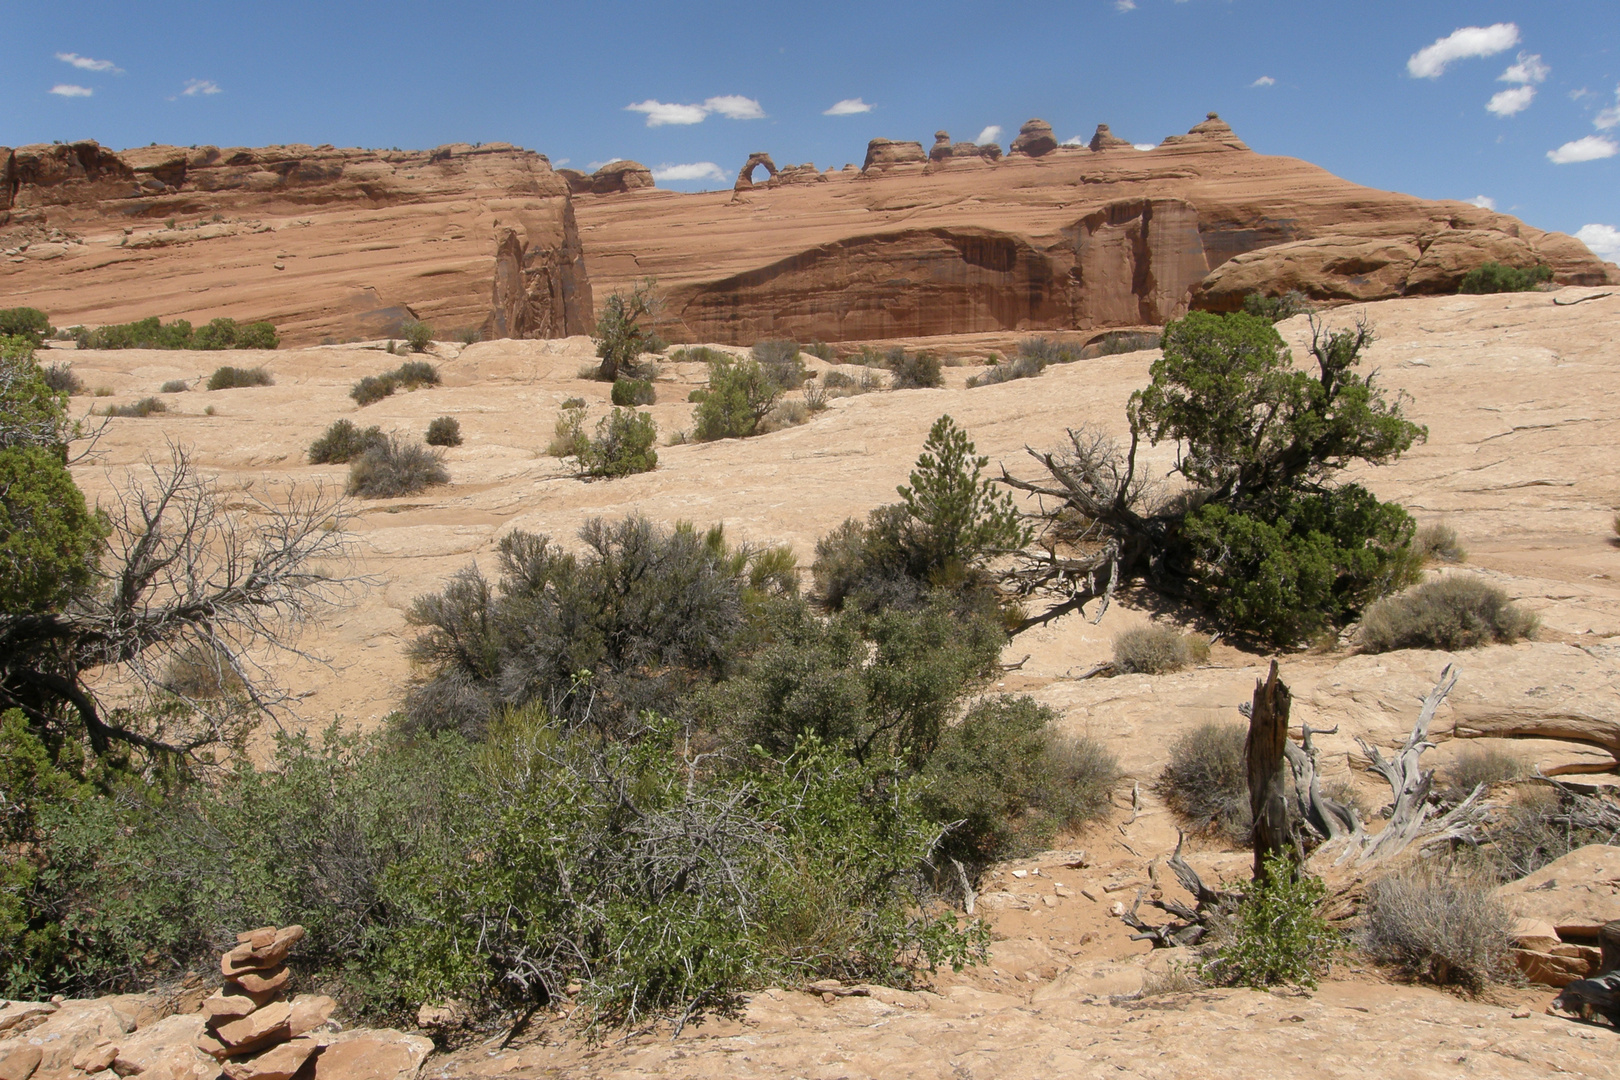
[(660, 113), (194, 87), (1146, 146), (593, 166), (989, 134), (1484, 202), (1076, 141), (1529, 69), (698, 170), (1591, 148), (1604, 240), (1511, 102), (848, 107), (84, 63), (69, 90), (1576, 95), (560, 162), (1461, 44), (1124, 5), (1264, 80), (1609, 117), (735, 107)]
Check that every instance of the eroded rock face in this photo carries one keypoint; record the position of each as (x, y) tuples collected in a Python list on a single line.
[(620, 176), (1212, 132), (1035, 139), (1105, 139), (885, 154), (540, 288)]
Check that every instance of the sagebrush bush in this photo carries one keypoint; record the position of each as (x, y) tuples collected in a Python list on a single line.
[(1440, 925), (781, 362), (231, 378), (822, 351), (568, 438), (1279, 936), (152, 333), (1046, 351), (914, 371), (61, 378), (1206, 781), (1475, 765), (699, 354), (1543, 824), (418, 335), (1458, 611), (1495, 277), (342, 442), (1023, 367), (740, 394), (414, 373), (632, 392), (393, 467), (201, 673), (1438, 542), (444, 431), (1277, 308), (1156, 650), (175, 386), (408, 376), (837, 380), (1012, 781), (469, 335), (623, 445), (147, 406), (786, 414), (371, 389)]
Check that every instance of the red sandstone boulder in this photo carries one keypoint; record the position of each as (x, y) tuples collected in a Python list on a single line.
[(885, 154), (620, 176), (364, 1054), (1105, 139), (1035, 138)]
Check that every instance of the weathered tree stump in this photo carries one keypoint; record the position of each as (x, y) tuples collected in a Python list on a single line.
[(1268, 736)]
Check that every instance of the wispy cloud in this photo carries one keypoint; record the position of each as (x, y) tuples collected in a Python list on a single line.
[(1529, 69), (1264, 80), (989, 134), (1484, 202), (197, 87), (1511, 102), (1609, 117), (731, 106), (84, 63), (1604, 240), (848, 107), (1591, 148), (69, 90), (1124, 5), (698, 170), (1146, 146), (1461, 44), (593, 166)]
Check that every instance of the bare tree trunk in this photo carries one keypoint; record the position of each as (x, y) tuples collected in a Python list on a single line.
[(1268, 735)]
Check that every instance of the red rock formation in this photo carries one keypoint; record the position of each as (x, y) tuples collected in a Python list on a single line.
[(1035, 139), (1107, 140), (1213, 131), (885, 154), (620, 176)]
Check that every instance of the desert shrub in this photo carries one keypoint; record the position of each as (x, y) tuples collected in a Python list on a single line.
[(815, 398), (393, 467), (1011, 781), (444, 431), (1116, 342), (1438, 542), (1543, 824), (231, 378), (147, 406), (408, 376), (1023, 367), (1277, 308), (1156, 650), (1206, 781), (1475, 765), (620, 337), (632, 392), (1278, 936), (837, 380), (418, 335), (1442, 926), (469, 335), (1045, 351), (740, 394), (786, 414), (914, 371), (781, 362), (623, 445), (60, 378), (27, 322), (50, 541), (201, 673), (342, 442), (414, 373), (568, 438), (1494, 277), (227, 334), (1458, 611), (822, 351), (699, 354), (152, 333), (175, 386)]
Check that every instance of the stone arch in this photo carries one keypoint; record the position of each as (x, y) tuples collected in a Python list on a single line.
[(745, 176)]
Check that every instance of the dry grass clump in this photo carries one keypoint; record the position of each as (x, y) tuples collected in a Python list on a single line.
[(1206, 782), (145, 407), (201, 673), (394, 467), (1156, 650), (175, 386), (785, 414), (1476, 765), (1022, 367), (1437, 542), (1454, 612), (1438, 925), (568, 438), (408, 376), (1544, 824)]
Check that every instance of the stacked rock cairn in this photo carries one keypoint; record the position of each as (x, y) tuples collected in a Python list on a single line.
[(251, 1026)]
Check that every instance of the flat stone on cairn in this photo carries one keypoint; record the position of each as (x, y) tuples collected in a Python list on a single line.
[(251, 1027)]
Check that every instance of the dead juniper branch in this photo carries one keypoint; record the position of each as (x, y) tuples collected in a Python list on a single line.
[(1191, 924), (184, 573)]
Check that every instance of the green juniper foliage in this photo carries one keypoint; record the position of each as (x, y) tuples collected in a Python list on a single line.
[(1279, 936)]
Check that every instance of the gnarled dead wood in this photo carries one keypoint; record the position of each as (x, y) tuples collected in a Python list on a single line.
[(1190, 924), (1328, 818), (1514, 721), (1268, 736)]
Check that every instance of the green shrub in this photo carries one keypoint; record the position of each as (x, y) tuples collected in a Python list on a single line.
[(1012, 782), (342, 442), (781, 362), (1156, 650), (623, 445), (699, 354), (469, 335), (914, 371), (1278, 936), (50, 541), (151, 333), (568, 438), (414, 373), (1024, 367), (1494, 277), (175, 386), (1458, 611), (27, 322), (1046, 352), (1206, 781), (740, 394), (418, 335), (1438, 542), (393, 467), (632, 392), (61, 378), (620, 337), (408, 376), (444, 431), (226, 334), (1441, 926), (822, 351), (1277, 308), (146, 406), (231, 378), (837, 380), (372, 388)]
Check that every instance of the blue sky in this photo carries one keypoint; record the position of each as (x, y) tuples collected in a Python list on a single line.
[(1522, 107)]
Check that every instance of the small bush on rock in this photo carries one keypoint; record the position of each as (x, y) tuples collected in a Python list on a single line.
[(1156, 650), (740, 394), (1494, 277), (1279, 936), (27, 322), (781, 362), (623, 445), (393, 467), (175, 386), (1440, 926), (1437, 542), (408, 376), (60, 378), (1458, 611), (1206, 782), (1023, 367), (632, 392), (147, 406), (418, 335), (1277, 308), (1476, 765), (444, 431), (231, 378), (914, 371), (227, 334), (342, 442)]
